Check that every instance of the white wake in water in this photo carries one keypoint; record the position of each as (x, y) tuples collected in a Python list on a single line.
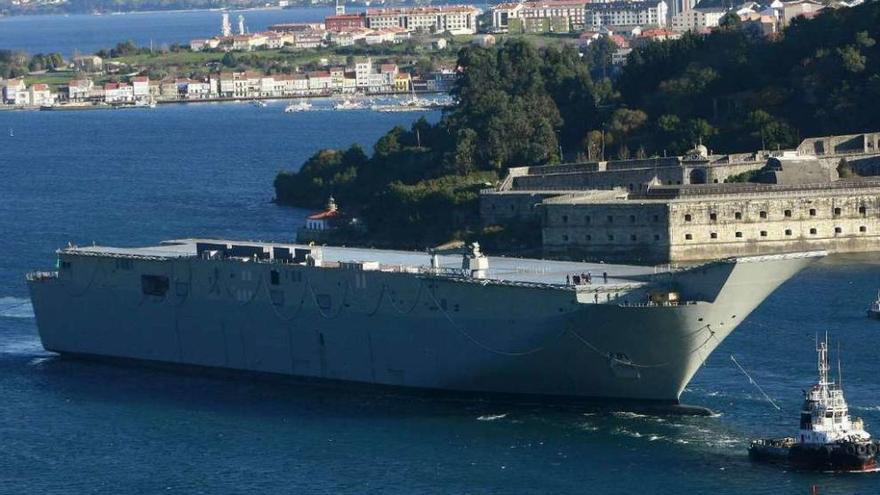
[(16, 307), (491, 417)]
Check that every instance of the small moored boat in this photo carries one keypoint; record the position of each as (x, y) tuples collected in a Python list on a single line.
[(874, 310), (301, 106)]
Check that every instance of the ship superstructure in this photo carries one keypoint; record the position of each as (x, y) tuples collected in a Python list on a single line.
[(462, 322)]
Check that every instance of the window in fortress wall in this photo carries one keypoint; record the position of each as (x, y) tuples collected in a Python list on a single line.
[(713, 235), (687, 218), (688, 237), (812, 212), (813, 231), (863, 229), (739, 235), (713, 216), (836, 211), (838, 230), (763, 233), (862, 210), (788, 213), (763, 214), (787, 231), (738, 216)]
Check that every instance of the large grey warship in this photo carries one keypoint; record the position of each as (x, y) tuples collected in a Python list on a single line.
[(454, 322)]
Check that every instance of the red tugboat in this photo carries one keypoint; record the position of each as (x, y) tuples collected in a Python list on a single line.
[(829, 440)]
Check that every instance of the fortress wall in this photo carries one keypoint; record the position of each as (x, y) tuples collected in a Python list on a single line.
[(865, 165), (840, 223), (631, 179), (607, 231), (502, 208), (852, 143), (714, 227), (719, 173)]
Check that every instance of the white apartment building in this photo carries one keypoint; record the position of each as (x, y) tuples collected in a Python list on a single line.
[(626, 13), (697, 19), (456, 19), (573, 11)]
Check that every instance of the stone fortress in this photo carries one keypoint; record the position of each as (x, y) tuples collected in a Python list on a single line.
[(680, 209)]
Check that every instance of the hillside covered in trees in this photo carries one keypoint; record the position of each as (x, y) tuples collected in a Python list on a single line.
[(519, 105)]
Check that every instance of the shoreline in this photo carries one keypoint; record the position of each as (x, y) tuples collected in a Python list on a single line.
[(131, 106), (328, 7)]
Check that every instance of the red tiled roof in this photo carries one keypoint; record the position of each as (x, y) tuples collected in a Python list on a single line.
[(324, 215)]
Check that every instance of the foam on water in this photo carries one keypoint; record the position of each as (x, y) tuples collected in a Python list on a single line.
[(491, 417), (16, 307), (22, 347)]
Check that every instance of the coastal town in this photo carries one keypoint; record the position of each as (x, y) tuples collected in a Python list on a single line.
[(98, 82)]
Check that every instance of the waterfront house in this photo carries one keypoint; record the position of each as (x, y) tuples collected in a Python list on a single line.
[(300, 84), (319, 81), (79, 89), (197, 90), (168, 89), (349, 83), (402, 82), (140, 86), (267, 87), (362, 71), (337, 77), (15, 92), (118, 93), (40, 95)]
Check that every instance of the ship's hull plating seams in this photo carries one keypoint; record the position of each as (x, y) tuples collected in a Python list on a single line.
[(400, 329)]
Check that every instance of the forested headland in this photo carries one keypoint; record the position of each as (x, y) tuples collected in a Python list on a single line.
[(519, 105)]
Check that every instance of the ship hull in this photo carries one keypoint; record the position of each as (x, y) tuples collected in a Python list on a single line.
[(402, 330), (837, 457)]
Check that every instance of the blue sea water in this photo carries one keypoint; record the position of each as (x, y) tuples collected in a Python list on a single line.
[(139, 176), (87, 33)]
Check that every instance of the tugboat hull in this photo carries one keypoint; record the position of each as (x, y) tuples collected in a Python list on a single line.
[(837, 457)]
